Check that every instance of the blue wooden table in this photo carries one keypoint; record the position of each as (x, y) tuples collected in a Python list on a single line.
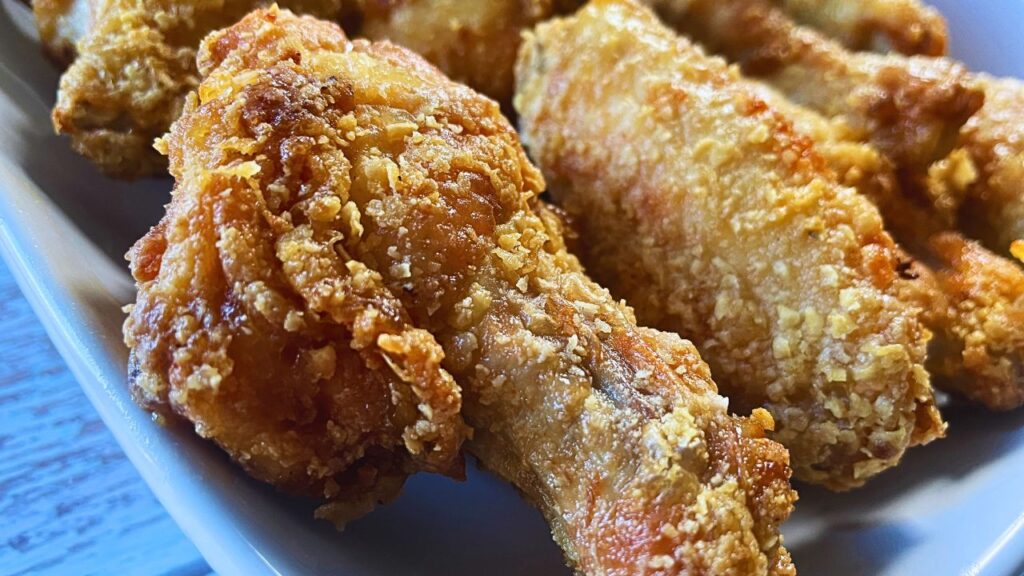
[(70, 502)]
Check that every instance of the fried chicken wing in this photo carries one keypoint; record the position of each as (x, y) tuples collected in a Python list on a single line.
[(979, 350), (911, 109), (323, 389), (134, 63), (971, 296), (61, 24), (993, 209), (136, 58), (907, 26), (703, 208), (393, 208), (993, 137), (856, 164), (473, 42)]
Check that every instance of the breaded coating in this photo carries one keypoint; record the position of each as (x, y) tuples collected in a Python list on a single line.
[(993, 138), (360, 163), (910, 108), (61, 24), (473, 42), (136, 58), (906, 26), (993, 210), (972, 297), (979, 348), (312, 377), (135, 62), (856, 164), (701, 206)]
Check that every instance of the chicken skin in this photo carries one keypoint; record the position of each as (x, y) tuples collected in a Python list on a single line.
[(322, 389), (906, 26), (704, 209), (473, 42), (910, 109), (993, 138), (133, 61), (396, 210), (979, 348), (972, 297), (993, 208)]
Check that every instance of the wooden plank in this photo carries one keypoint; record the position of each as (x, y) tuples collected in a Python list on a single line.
[(70, 500)]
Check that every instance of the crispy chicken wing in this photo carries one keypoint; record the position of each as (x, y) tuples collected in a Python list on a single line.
[(907, 26), (993, 138), (993, 209), (701, 205), (388, 207), (971, 296), (328, 393), (856, 164), (134, 63), (911, 109), (136, 58), (979, 350), (473, 42), (61, 24)]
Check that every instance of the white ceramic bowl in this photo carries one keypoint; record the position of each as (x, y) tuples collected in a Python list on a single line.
[(955, 507)]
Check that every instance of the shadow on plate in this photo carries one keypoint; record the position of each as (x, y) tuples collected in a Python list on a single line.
[(436, 526), (492, 527), (859, 551), (858, 530)]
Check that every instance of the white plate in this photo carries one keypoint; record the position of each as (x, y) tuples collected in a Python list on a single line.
[(955, 507)]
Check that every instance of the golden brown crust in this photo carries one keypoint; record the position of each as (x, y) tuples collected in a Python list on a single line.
[(980, 349), (911, 109), (705, 209), (993, 210), (962, 286), (136, 58), (473, 42), (856, 164), (135, 62), (906, 26), (361, 156), (311, 377), (982, 179)]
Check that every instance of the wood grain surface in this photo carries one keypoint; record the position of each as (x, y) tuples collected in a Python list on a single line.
[(70, 501)]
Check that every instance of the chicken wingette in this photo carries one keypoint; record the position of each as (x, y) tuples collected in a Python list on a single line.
[(993, 139), (702, 207), (907, 26), (132, 63), (979, 348), (392, 208), (910, 108), (972, 298), (993, 206), (978, 190)]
